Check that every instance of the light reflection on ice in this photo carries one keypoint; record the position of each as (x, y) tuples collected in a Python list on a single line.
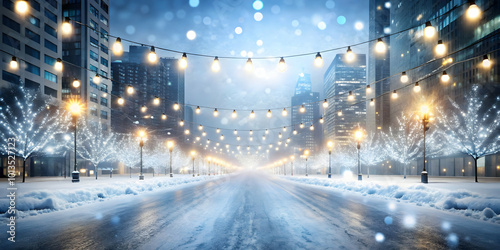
[(445, 226), (409, 221), (388, 220)]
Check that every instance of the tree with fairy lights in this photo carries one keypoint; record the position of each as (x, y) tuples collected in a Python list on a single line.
[(472, 128), (371, 151), (31, 119), (127, 150), (94, 143)]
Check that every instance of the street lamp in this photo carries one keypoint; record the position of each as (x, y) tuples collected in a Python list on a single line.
[(75, 108), (306, 154), (284, 166), (193, 153), (359, 136), (209, 159), (425, 122), (330, 146), (142, 134), (292, 157), (170, 145)]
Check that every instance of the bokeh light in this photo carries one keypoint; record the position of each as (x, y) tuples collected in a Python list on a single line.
[(258, 16), (191, 35), (259, 42), (379, 237), (258, 5), (341, 20), (322, 25), (409, 221), (238, 30), (388, 220), (194, 3), (330, 4), (359, 25)]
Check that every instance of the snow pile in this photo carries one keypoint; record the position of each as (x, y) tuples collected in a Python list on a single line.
[(476, 205), (43, 197)]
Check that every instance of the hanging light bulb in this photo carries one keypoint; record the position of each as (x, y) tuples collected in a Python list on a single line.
[(325, 104), (372, 102), (216, 65), (208, 141), (238, 138), (58, 66), (429, 30), (235, 132), (321, 120), (282, 65), (251, 132), (394, 94), (156, 101), (197, 110), (302, 109), (200, 127), (311, 127), (250, 138), (350, 97), (130, 89), (404, 77), (301, 125), (263, 137), (176, 106), (66, 26), (284, 112), (144, 108), (249, 65), (152, 57), (252, 115), (21, 7), (416, 88), (163, 116), (445, 77), (181, 123), (349, 56), (96, 79), (13, 63), (368, 89), (339, 113), (267, 131), (318, 61), (440, 48), (234, 114), (216, 113), (280, 135), (221, 137), (486, 61), (120, 101), (183, 61), (217, 130), (118, 47), (284, 128), (288, 140), (473, 11), (203, 133), (380, 46), (269, 114), (186, 132), (76, 83)]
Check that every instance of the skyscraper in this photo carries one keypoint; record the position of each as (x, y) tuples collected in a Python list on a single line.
[(340, 78), (304, 98)]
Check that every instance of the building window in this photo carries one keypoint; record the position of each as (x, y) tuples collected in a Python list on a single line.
[(94, 56), (93, 68), (31, 84), (93, 97), (104, 62), (104, 101), (104, 48), (50, 60), (104, 73), (11, 24), (104, 20), (32, 52), (50, 91), (94, 26), (52, 2), (104, 7), (32, 35), (9, 77), (50, 45), (11, 41), (35, 5), (104, 87), (93, 85), (94, 11), (32, 68), (51, 31), (33, 20), (94, 42), (51, 15), (104, 34), (51, 77), (104, 115), (8, 5), (93, 111)]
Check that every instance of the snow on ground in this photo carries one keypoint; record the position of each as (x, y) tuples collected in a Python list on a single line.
[(456, 194), (43, 195)]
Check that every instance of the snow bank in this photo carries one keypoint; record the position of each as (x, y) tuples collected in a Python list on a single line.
[(459, 200), (43, 197)]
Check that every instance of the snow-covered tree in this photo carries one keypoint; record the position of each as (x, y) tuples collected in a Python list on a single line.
[(472, 128), (371, 151), (344, 157), (94, 144), (128, 150), (31, 120)]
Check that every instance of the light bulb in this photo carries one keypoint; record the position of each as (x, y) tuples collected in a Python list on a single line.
[(404, 77), (181, 123), (216, 65), (301, 125), (318, 61), (13, 63), (252, 115), (263, 137), (221, 137), (486, 61), (394, 94), (473, 11), (152, 57), (183, 63), (350, 97), (249, 65), (58, 65), (186, 132), (144, 108), (302, 109), (284, 129), (325, 104), (120, 101), (294, 132), (416, 88), (217, 130), (234, 114), (163, 116), (380, 46), (176, 106), (284, 112), (96, 79), (130, 89), (238, 138), (269, 114), (251, 132), (445, 77), (280, 135), (321, 120), (21, 7), (282, 65), (349, 56), (66, 26), (156, 101), (117, 46), (311, 127), (339, 113), (266, 132), (76, 83), (372, 102), (368, 89), (429, 30), (440, 48), (235, 132), (203, 133), (198, 110), (200, 127), (216, 113)]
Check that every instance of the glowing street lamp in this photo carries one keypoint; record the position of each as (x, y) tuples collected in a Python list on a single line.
[(330, 147), (358, 135), (425, 123), (170, 146), (193, 154), (142, 134), (306, 155), (75, 108)]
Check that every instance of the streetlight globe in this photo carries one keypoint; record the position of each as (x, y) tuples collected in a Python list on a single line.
[(358, 135), (330, 144), (75, 107), (142, 134), (424, 109), (306, 152)]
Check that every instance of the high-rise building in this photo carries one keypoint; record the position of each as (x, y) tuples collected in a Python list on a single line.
[(88, 50), (340, 78), (34, 39), (162, 80), (378, 115), (304, 98)]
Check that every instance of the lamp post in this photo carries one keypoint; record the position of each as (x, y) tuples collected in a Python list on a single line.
[(141, 144), (193, 153), (359, 136), (424, 178), (292, 157), (306, 154), (75, 109), (170, 145), (330, 146), (209, 159)]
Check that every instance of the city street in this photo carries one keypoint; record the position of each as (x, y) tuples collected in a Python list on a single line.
[(251, 210)]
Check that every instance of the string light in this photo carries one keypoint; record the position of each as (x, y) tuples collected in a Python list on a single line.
[(183, 62), (238, 138), (76, 83), (486, 62), (234, 114), (252, 115), (58, 65), (429, 30), (280, 135), (120, 101), (350, 97), (325, 104), (217, 130), (152, 57), (282, 65), (216, 113), (349, 56), (13, 63), (198, 110), (200, 127), (221, 137), (294, 132), (203, 133), (235, 132), (445, 77), (156, 101), (380, 46), (118, 47), (266, 132), (263, 137), (394, 94), (321, 120), (181, 123), (21, 7), (416, 88), (473, 11), (301, 125), (284, 112), (269, 114), (144, 108), (66, 26), (311, 127), (368, 89), (216, 65), (176, 106), (163, 116), (249, 65), (251, 132), (130, 89), (372, 102), (404, 77), (318, 61), (96, 79), (186, 132), (302, 109), (339, 113), (440, 48)]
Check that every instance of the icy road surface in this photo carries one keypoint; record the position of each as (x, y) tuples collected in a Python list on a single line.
[(252, 211)]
